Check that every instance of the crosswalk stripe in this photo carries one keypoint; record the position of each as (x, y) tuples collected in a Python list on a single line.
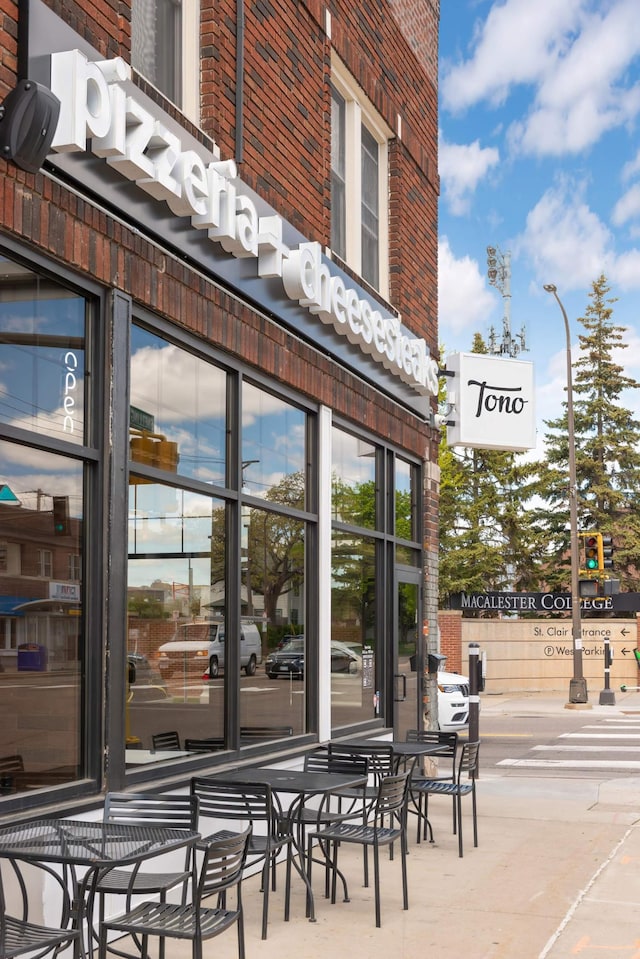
[(569, 764), (587, 749), (608, 736)]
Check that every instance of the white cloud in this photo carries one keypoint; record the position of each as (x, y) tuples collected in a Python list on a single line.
[(518, 43), (463, 298), (628, 206), (462, 167), (583, 93), (576, 57), (631, 168), (565, 239)]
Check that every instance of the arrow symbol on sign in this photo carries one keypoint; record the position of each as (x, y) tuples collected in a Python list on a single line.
[(625, 651), (624, 630)]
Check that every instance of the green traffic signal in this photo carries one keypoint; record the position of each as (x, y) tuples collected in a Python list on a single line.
[(591, 552)]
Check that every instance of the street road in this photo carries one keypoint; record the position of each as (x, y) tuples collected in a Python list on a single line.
[(576, 744)]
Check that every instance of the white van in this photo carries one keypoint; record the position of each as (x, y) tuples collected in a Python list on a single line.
[(200, 647)]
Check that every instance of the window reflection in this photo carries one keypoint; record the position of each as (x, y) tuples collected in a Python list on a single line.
[(353, 480), (41, 626), (273, 447), (353, 629), (406, 513), (273, 563), (176, 616), (42, 337), (178, 409)]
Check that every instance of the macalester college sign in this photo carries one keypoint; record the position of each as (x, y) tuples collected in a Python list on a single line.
[(517, 603)]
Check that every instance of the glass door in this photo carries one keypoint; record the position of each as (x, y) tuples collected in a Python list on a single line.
[(408, 665)]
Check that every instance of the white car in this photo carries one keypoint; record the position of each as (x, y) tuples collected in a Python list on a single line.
[(453, 701)]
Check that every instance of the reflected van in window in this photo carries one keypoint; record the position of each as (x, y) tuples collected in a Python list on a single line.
[(200, 647)]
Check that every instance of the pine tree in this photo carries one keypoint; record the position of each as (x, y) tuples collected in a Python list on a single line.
[(607, 445)]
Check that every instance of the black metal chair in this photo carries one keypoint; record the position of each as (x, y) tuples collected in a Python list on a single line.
[(380, 763), (222, 869), (177, 812), (18, 936), (10, 769), (253, 804), (391, 805), (204, 745), (308, 817), (170, 740), (464, 784), (447, 743), (260, 733)]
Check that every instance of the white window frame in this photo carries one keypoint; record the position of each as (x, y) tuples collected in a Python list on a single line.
[(360, 111), (45, 563), (190, 58)]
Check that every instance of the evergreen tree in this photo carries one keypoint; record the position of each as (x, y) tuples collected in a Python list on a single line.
[(607, 445)]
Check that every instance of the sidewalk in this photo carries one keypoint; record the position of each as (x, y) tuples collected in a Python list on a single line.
[(556, 874)]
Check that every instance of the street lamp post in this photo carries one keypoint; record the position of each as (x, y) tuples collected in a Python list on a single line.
[(578, 684)]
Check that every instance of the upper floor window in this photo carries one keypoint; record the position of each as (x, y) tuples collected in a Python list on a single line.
[(359, 181), (164, 48)]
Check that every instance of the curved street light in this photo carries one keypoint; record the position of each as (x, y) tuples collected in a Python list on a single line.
[(578, 684)]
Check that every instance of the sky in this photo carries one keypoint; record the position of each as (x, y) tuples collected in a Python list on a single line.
[(539, 156)]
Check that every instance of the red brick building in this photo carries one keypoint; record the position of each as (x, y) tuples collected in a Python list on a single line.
[(218, 318)]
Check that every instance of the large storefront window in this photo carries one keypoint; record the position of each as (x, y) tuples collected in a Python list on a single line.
[(184, 652), (354, 637), (178, 409), (176, 616), (273, 600), (353, 480), (42, 634)]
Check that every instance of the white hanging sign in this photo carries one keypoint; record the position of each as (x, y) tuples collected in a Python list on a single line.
[(493, 403)]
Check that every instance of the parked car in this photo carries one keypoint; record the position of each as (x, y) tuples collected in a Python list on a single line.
[(289, 661), (200, 647), (453, 701)]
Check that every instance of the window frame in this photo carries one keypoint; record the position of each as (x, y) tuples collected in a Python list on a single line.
[(187, 71), (359, 112)]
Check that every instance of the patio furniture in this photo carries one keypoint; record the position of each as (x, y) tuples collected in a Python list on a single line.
[(204, 745), (251, 804), (312, 818), (85, 851), (221, 871), (302, 785), (259, 733), (161, 741), (391, 805), (464, 784), (18, 936), (447, 743), (143, 809)]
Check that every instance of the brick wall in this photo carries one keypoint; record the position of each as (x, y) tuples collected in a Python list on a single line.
[(286, 159)]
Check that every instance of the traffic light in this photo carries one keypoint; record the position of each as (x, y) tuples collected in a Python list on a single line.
[(592, 551), (607, 552), (61, 515)]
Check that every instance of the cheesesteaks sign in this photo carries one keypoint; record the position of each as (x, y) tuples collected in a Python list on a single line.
[(493, 403), (102, 113)]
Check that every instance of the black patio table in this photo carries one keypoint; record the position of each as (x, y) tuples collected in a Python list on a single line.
[(95, 847), (303, 785), (401, 750)]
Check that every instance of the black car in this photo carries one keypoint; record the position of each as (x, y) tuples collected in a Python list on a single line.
[(289, 661)]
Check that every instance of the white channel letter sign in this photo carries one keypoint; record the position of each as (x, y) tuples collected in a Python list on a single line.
[(493, 403), (97, 113)]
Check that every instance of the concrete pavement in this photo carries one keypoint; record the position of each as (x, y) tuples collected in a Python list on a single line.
[(556, 874)]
